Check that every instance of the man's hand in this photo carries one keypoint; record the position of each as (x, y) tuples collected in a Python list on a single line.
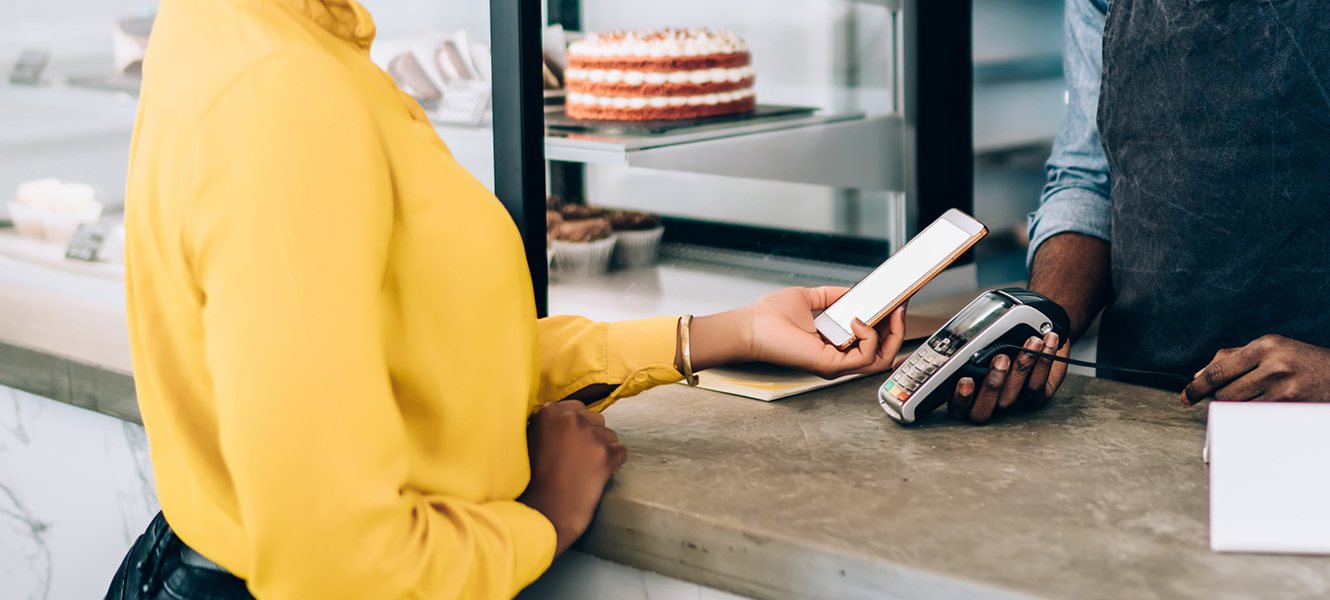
[(1073, 270), (573, 456), (1027, 385), (1270, 369)]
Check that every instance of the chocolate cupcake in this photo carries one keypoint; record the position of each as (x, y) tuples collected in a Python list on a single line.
[(639, 238), (627, 220), (583, 247), (585, 230), (579, 212)]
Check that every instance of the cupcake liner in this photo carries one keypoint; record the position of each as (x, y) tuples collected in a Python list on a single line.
[(637, 249), (27, 219), (583, 258), (59, 227)]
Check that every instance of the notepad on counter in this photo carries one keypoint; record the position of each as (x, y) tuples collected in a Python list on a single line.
[(767, 382), (1268, 477)]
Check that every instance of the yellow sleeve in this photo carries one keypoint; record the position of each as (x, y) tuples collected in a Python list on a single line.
[(633, 355), (288, 236)]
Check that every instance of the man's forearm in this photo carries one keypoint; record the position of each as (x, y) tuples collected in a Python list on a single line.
[(1073, 270)]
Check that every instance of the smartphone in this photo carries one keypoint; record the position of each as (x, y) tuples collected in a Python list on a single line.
[(895, 280)]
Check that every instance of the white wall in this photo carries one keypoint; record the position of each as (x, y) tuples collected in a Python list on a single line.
[(66, 28), (1012, 29), (398, 18)]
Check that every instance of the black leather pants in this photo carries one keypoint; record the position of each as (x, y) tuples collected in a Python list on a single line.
[(161, 567)]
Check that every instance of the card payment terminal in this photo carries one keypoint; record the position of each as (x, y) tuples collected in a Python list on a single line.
[(928, 378)]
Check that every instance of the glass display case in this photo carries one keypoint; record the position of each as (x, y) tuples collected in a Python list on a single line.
[(878, 161)]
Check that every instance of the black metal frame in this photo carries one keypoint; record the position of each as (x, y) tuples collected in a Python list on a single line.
[(519, 129), (938, 94), (941, 88)]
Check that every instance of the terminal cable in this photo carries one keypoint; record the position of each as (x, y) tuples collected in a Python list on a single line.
[(982, 358)]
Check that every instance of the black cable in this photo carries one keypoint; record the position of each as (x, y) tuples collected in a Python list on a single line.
[(1081, 363)]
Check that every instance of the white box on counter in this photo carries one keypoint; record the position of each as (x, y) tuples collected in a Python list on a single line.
[(1269, 477)]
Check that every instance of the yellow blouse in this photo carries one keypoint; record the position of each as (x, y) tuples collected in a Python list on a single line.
[(334, 338)]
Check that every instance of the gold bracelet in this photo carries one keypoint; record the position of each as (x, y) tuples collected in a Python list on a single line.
[(686, 323)]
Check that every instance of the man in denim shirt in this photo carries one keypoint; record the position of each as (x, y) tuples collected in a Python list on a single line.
[(1198, 223)]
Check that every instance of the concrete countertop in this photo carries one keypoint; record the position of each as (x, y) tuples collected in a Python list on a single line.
[(75, 350), (1101, 495)]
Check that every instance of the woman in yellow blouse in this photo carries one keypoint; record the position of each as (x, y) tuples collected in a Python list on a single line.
[(335, 344)]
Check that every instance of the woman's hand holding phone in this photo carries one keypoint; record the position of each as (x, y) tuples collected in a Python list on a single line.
[(778, 328), (781, 328)]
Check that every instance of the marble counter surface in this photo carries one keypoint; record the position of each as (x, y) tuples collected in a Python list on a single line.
[(1101, 495)]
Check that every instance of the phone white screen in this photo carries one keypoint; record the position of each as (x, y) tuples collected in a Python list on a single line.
[(886, 283)]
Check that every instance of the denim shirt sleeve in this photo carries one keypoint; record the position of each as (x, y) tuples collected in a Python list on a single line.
[(1076, 195)]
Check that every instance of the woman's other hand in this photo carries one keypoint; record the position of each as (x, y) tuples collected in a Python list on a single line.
[(778, 328), (573, 456)]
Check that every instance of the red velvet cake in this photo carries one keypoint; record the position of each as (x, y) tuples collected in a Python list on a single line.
[(657, 75)]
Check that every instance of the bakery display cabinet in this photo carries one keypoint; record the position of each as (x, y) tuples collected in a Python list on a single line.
[(912, 147)]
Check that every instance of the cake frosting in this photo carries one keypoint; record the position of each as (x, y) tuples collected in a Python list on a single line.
[(665, 74)]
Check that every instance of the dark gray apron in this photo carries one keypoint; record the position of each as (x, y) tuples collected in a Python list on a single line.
[(1216, 119)]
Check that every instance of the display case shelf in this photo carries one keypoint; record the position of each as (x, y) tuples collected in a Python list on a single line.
[(845, 150)]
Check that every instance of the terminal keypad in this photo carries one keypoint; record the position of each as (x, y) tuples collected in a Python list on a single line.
[(914, 372)]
